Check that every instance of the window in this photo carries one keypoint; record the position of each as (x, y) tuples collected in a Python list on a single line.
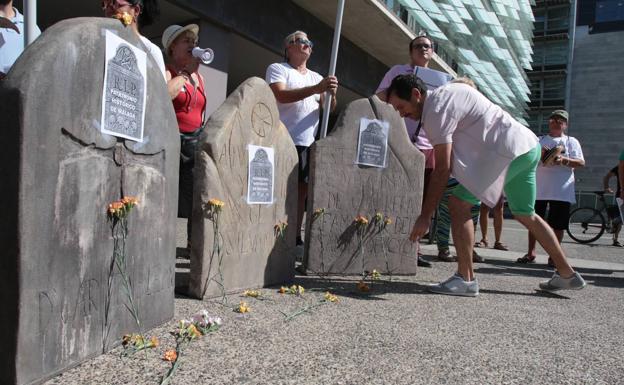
[(609, 10)]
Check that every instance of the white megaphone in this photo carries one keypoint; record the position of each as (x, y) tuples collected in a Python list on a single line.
[(205, 55)]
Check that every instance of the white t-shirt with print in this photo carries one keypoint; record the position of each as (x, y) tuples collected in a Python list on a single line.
[(301, 118), (557, 182), (156, 54), (485, 138)]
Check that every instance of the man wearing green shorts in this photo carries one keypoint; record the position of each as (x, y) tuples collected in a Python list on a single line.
[(490, 153)]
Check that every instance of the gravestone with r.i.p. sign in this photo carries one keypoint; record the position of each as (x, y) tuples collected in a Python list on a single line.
[(341, 189), (62, 298), (247, 160)]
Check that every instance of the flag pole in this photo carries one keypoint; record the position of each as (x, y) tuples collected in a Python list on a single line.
[(332, 66)]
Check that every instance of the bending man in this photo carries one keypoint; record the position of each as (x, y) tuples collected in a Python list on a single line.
[(490, 153)]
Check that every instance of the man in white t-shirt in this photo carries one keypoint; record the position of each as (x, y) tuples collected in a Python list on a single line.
[(555, 180), (490, 153), (300, 92), (12, 42)]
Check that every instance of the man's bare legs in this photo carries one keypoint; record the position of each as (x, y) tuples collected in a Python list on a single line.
[(463, 236), (549, 239)]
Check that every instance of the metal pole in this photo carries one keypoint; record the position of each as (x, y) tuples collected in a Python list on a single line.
[(30, 21), (332, 66)]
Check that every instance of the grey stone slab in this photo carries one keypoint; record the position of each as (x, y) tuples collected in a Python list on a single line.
[(59, 175), (345, 190), (252, 254)]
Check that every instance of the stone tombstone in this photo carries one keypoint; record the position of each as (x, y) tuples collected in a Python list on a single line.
[(344, 190), (253, 255), (59, 173)]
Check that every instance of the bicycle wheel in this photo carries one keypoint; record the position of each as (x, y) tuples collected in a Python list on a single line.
[(586, 225)]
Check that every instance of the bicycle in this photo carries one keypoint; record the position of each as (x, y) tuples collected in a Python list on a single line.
[(587, 224)]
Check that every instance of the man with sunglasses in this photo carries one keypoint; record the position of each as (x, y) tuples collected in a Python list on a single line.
[(421, 52), (12, 42), (299, 92)]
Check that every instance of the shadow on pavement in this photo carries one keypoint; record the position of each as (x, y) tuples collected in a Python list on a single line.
[(347, 286)]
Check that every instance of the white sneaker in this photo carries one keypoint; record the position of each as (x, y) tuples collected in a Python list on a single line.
[(575, 282), (456, 286)]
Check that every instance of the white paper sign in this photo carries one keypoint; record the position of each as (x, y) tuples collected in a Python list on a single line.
[(432, 78), (260, 175), (124, 91), (372, 147)]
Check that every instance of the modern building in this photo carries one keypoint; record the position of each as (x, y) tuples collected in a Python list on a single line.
[(488, 41), (597, 88)]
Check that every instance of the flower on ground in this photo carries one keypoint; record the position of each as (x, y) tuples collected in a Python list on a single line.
[(363, 287), (170, 355), (282, 290), (154, 341), (330, 297), (375, 275), (242, 307), (251, 293)]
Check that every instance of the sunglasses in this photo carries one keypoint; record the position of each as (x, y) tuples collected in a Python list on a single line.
[(114, 3), (425, 46), (303, 41), (558, 119)]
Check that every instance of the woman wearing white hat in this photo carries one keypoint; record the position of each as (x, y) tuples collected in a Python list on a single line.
[(186, 88)]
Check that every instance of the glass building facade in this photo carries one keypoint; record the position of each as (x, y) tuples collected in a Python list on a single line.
[(488, 41)]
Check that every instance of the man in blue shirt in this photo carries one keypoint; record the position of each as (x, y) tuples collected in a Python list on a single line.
[(11, 41)]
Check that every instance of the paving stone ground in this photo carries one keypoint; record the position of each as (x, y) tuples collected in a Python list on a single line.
[(400, 334)]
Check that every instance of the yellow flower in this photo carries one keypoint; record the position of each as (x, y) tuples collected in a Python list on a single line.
[(216, 203), (251, 293), (282, 290), (296, 289), (331, 297), (193, 332), (125, 18), (242, 308), (388, 221), (378, 217), (361, 220), (154, 341), (319, 211), (170, 355), (363, 287), (375, 275)]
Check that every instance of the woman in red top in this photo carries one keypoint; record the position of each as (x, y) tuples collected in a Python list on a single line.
[(186, 88)]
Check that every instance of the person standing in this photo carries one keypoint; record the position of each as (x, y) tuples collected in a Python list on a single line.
[(497, 212), (137, 14), (186, 88), (489, 153), (299, 92), (555, 180), (613, 210), (12, 42), (420, 53)]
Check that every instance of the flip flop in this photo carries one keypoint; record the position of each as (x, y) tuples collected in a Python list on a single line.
[(526, 258)]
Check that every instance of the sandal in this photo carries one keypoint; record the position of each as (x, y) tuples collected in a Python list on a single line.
[(500, 246), (482, 243), (526, 258)]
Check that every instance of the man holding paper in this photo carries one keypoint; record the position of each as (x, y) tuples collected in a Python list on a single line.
[(490, 152), (421, 52)]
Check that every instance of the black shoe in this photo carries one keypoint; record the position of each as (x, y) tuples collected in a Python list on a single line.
[(423, 263), (299, 241)]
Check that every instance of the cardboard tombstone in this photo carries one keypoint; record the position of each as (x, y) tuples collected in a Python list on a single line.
[(248, 161), (62, 295), (341, 189)]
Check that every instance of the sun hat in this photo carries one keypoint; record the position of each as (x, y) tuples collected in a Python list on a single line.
[(560, 113), (173, 31)]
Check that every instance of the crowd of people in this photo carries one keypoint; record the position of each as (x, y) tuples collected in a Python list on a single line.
[(476, 155)]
